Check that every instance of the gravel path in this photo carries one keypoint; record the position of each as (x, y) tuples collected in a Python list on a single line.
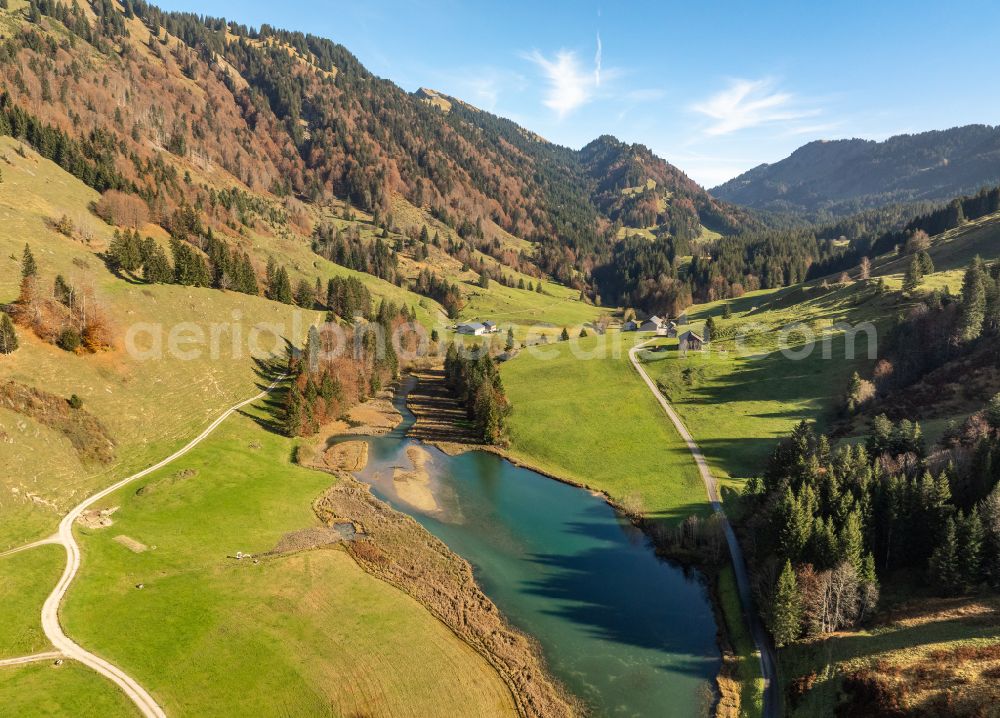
[(768, 658), (50, 609)]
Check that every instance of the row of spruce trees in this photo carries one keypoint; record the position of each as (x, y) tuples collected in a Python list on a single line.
[(474, 378)]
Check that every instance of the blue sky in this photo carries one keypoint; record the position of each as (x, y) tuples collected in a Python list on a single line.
[(715, 88)]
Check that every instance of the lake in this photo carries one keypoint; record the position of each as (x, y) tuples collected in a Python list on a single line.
[(629, 633)]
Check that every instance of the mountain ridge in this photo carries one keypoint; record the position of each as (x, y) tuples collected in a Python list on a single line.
[(848, 175)]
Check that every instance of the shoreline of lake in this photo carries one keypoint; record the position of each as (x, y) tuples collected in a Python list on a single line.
[(447, 587), (719, 693), (728, 685)]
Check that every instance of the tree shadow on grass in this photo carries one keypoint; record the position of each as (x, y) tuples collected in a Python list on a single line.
[(272, 406), (812, 655)]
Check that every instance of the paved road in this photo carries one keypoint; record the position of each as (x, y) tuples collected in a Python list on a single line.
[(50, 610), (768, 659)]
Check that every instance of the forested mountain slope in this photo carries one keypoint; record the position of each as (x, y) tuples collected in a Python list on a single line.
[(844, 176), (245, 124)]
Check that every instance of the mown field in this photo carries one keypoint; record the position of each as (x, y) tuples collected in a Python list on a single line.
[(39, 690), (307, 633), (26, 579), (593, 421)]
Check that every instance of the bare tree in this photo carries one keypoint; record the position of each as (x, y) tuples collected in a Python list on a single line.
[(865, 271), (843, 596)]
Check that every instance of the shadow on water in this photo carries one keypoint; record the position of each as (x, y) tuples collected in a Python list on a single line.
[(628, 632)]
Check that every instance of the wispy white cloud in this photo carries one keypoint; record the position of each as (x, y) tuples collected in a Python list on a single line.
[(597, 62), (750, 103), (570, 85)]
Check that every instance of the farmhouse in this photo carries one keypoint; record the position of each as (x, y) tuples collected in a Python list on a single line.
[(478, 328), (473, 328), (662, 327), (692, 341)]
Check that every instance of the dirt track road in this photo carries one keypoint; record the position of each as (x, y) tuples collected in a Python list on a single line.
[(50, 609), (768, 658)]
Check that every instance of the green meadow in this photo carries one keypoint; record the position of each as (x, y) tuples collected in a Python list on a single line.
[(743, 393), (36, 690), (306, 633), (26, 579), (594, 422)]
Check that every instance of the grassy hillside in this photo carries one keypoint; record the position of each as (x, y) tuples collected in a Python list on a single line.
[(298, 633), (740, 396), (951, 252), (938, 656), (149, 406)]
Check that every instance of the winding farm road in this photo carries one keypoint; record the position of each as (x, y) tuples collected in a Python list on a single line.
[(768, 658), (64, 645)]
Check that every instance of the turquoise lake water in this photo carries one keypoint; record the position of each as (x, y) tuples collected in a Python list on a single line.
[(630, 634)]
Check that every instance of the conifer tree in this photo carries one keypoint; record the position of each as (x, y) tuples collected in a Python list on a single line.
[(925, 262), (989, 510), (868, 593), (156, 267), (304, 294), (943, 566), (852, 541), (786, 621), (973, 301), (565, 335), (294, 410), (29, 268), (8, 335), (509, 346), (280, 286), (912, 277), (62, 291), (970, 550)]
